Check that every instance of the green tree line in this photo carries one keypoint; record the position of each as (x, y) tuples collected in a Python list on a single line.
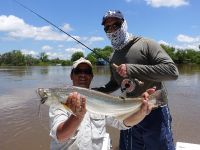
[(17, 58)]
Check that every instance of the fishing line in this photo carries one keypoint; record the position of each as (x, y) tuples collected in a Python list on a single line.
[(127, 84), (30, 10)]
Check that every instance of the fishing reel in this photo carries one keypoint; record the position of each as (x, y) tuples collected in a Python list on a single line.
[(128, 85)]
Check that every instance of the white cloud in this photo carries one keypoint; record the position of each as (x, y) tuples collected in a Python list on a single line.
[(193, 44), (67, 28), (16, 28), (64, 53), (91, 40), (46, 47), (163, 42), (167, 3), (73, 50), (187, 46), (95, 39), (187, 39), (188, 42), (195, 47), (53, 55), (29, 52), (10, 23), (61, 54)]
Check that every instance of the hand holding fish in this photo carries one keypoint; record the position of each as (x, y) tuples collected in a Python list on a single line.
[(146, 108), (146, 95), (77, 104)]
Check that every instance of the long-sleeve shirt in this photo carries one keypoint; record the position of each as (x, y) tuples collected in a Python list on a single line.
[(145, 61), (89, 135)]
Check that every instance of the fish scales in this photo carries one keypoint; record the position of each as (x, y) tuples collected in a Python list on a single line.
[(101, 103)]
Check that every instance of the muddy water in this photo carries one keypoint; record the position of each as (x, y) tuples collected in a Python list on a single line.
[(23, 126)]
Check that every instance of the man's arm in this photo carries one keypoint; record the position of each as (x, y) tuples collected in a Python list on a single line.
[(144, 110), (67, 129), (157, 65), (135, 118), (77, 104)]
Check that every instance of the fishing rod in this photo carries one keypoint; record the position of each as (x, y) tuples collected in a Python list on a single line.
[(127, 85), (30, 10)]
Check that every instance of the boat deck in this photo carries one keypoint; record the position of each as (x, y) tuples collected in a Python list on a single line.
[(187, 146)]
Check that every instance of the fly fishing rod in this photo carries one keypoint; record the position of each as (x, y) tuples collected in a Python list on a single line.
[(30, 10), (126, 85)]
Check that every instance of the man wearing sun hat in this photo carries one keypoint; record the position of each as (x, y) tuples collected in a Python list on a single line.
[(83, 77), (82, 130), (143, 60)]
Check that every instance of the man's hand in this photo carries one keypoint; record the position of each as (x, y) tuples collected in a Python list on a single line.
[(77, 104), (144, 110), (147, 107), (122, 70)]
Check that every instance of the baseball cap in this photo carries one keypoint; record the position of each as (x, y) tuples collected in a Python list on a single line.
[(112, 14), (80, 61)]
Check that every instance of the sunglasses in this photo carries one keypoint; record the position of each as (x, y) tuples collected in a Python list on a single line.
[(112, 27), (82, 71)]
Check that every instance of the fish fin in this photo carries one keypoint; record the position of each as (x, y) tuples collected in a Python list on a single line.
[(67, 108), (126, 115), (123, 116), (123, 95)]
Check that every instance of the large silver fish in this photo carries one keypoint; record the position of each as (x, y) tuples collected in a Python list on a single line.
[(100, 103)]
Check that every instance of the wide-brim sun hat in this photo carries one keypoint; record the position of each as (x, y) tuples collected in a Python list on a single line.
[(80, 61)]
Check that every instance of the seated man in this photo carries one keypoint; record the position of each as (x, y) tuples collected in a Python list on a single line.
[(83, 130)]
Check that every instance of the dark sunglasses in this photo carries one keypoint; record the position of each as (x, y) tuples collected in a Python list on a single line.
[(113, 27), (82, 71)]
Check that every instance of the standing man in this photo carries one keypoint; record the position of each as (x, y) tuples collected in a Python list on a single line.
[(142, 64), (83, 130)]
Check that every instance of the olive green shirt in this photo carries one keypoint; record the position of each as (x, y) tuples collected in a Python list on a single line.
[(145, 61)]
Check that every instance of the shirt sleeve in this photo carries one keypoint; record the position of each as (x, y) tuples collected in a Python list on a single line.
[(119, 124), (57, 115), (161, 66)]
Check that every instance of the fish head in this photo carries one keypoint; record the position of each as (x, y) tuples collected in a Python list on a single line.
[(43, 93)]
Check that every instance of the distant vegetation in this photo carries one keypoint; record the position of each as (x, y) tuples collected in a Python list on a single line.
[(17, 58)]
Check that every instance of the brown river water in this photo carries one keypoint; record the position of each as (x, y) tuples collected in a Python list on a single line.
[(25, 126)]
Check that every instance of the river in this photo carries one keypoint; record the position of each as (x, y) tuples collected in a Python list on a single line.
[(24, 123)]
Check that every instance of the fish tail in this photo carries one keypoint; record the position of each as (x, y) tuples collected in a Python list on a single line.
[(161, 97)]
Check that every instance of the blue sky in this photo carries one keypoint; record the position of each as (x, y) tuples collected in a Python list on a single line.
[(172, 22)]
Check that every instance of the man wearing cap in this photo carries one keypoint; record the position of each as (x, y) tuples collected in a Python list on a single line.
[(143, 60), (83, 130)]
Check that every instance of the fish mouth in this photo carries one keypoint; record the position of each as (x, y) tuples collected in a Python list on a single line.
[(43, 95)]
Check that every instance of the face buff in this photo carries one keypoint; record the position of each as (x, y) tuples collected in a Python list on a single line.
[(120, 37)]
